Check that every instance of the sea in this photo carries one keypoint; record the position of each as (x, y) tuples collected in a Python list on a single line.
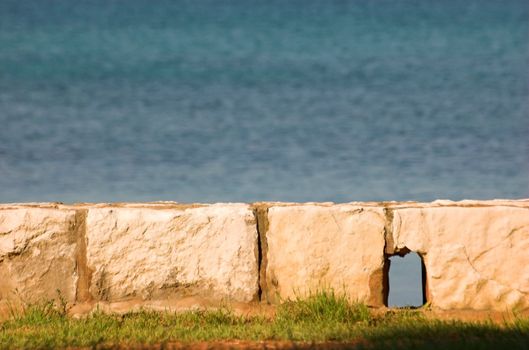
[(253, 100)]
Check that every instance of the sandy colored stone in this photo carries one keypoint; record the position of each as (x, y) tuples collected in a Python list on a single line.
[(148, 253), (151, 254), (37, 254), (476, 257), (312, 247)]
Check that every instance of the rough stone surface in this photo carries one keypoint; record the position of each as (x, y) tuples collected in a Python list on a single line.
[(313, 246), (151, 253), (162, 254), (476, 254), (37, 254)]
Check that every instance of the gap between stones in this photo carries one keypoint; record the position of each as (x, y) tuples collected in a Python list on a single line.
[(389, 251), (261, 221), (84, 275), (388, 242)]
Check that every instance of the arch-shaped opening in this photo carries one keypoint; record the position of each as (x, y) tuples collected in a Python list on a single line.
[(405, 282)]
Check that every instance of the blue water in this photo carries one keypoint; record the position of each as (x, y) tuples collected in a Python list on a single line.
[(263, 100), (249, 100), (405, 281)]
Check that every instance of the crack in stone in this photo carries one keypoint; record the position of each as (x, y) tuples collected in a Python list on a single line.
[(336, 222), (481, 277), (483, 253)]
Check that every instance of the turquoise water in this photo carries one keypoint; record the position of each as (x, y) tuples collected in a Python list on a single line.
[(263, 100)]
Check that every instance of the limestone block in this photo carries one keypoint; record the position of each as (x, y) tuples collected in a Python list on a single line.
[(310, 247), (37, 254), (476, 257), (148, 253)]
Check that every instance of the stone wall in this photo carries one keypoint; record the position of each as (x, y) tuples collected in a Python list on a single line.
[(158, 255)]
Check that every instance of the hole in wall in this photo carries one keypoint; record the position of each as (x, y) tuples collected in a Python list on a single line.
[(406, 280)]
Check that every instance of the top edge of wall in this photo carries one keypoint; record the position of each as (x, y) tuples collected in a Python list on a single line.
[(183, 206)]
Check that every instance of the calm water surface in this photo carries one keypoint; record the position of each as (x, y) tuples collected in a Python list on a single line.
[(263, 100)]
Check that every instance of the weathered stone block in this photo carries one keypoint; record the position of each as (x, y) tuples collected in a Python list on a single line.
[(310, 247), (476, 256), (37, 254), (152, 253)]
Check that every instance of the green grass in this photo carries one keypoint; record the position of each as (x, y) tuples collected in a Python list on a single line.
[(324, 316)]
